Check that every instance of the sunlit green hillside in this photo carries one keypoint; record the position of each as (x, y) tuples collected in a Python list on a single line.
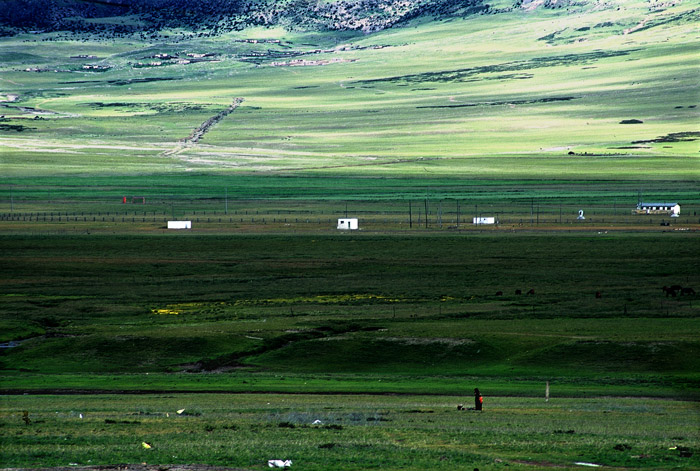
[(595, 91)]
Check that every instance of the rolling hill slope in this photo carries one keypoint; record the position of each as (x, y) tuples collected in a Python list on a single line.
[(575, 90)]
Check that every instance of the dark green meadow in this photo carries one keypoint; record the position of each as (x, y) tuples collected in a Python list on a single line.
[(378, 337), (425, 305)]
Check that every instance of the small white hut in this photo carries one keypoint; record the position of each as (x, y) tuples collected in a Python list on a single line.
[(179, 224), (483, 220), (348, 224)]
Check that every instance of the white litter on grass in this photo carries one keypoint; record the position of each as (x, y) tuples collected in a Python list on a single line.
[(181, 411), (81, 416), (591, 465), (317, 422), (279, 463)]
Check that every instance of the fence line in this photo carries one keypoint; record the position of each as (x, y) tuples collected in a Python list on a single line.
[(413, 214), (373, 219)]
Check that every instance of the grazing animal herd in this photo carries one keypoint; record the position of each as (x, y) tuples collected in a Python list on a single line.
[(674, 290), (671, 291), (518, 292)]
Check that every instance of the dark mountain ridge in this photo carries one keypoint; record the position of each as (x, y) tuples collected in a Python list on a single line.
[(219, 16)]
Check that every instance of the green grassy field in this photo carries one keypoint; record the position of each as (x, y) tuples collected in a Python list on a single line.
[(508, 114), (355, 432), (406, 305), (263, 318), (294, 204), (398, 329), (484, 97)]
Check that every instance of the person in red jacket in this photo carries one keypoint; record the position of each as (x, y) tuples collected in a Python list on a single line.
[(478, 400)]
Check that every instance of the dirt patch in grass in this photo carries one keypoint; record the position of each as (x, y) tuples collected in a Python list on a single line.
[(539, 464), (15, 127), (688, 136), (500, 103), (470, 73), (122, 82)]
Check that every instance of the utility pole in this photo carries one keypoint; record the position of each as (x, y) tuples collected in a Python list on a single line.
[(457, 214), (426, 212)]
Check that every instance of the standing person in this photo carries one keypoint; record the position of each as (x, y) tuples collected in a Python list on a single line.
[(478, 400)]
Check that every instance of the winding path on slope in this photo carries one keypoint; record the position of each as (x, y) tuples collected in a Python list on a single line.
[(203, 128)]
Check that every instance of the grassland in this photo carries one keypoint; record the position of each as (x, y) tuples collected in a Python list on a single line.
[(510, 114), (262, 319), (412, 305), (485, 97), (355, 432), (257, 337)]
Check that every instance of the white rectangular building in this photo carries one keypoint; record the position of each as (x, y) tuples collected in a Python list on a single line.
[(484, 220), (179, 224), (673, 209), (348, 224)]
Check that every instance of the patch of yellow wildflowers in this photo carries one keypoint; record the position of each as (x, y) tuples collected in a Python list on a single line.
[(165, 311), (323, 299), (188, 308)]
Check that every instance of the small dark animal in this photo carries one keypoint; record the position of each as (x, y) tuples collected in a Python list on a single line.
[(531, 292), (684, 452), (598, 294), (622, 447), (518, 291), (669, 291), (687, 291), (499, 293)]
